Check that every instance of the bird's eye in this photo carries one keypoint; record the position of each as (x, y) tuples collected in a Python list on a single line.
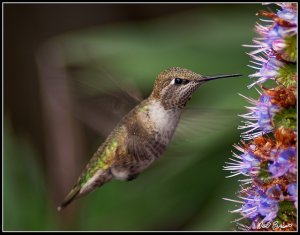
[(178, 80)]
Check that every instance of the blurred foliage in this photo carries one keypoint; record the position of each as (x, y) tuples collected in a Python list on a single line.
[(184, 189), (24, 191)]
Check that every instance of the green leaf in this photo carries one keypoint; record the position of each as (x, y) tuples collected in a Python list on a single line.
[(286, 118), (287, 75)]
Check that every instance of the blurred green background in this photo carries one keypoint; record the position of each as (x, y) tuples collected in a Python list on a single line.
[(67, 68)]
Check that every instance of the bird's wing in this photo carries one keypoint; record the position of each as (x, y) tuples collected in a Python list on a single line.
[(94, 96), (199, 123)]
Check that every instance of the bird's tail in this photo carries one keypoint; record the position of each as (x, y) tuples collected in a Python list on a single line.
[(69, 198), (97, 180)]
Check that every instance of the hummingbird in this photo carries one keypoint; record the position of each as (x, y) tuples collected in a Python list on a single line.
[(143, 134)]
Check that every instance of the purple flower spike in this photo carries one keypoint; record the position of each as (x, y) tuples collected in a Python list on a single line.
[(268, 195)]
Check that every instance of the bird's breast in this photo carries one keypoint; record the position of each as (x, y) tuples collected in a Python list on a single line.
[(164, 121)]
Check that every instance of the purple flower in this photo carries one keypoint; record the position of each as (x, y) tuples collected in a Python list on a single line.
[(292, 190), (293, 193), (257, 203), (289, 15), (260, 117), (272, 41), (285, 5), (275, 193), (246, 164), (250, 207), (284, 162), (268, 35), (267, 69), (268, 208), (278, 45)]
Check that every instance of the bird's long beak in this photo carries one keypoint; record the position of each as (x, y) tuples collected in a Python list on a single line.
[(208, 78)]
